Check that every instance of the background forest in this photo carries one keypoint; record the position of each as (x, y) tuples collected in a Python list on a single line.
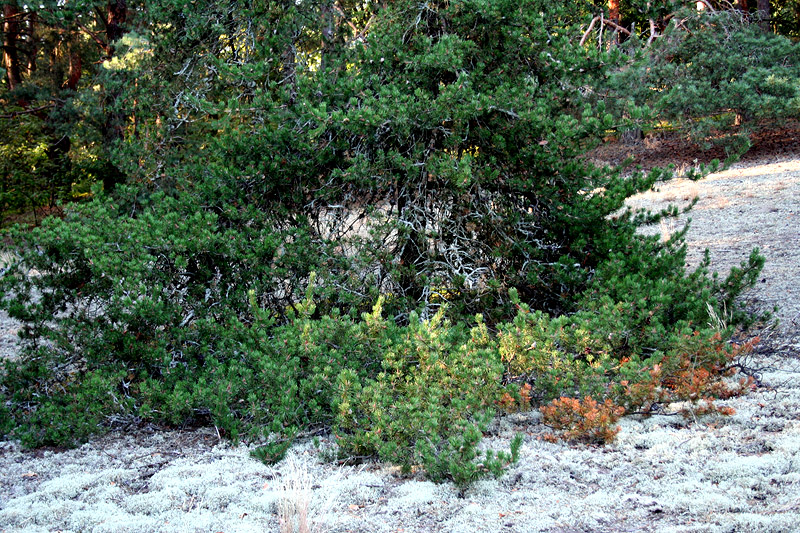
[(367, 218)]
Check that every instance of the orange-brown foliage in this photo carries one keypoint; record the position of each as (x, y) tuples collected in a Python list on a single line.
[(583, 420)]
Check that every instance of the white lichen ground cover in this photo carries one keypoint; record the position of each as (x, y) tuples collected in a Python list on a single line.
[(664, 473)]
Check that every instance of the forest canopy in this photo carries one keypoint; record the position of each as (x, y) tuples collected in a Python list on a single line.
[(370, 218)]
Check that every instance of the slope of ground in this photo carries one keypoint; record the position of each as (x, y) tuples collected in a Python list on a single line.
[(664, 473)]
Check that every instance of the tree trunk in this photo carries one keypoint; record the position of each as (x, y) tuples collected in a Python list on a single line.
[(409, 250), (60, 165), (59, 146), (613, 15), (117, 15), (289, 70), (33, 48), (327, 20), (11, 20), (764, 13), (613, 10), (75, 71)]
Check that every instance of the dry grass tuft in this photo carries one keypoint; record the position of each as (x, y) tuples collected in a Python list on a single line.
[(668, 227), (293, 507), (720, 203)]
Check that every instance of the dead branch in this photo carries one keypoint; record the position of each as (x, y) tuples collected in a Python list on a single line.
[(707, 4), (94, 36), (344, 16), (606, 22), (21, 15), (617, 27), (652, 32), (600, 36), (359, 33), (588, 30)]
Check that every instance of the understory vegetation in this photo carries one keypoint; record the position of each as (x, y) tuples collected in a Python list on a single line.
[(374, 220)]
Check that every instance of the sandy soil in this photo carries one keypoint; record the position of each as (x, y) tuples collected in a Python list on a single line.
[(728, 474)]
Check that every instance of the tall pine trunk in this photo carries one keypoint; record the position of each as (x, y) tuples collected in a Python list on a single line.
[(613, 15), (613, 10), (11, 33), (117, 15), (764, 14)]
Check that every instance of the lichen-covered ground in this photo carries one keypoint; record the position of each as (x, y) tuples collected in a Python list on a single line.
[(664, 473)]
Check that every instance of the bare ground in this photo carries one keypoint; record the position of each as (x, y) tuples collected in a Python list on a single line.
[(728, 474)]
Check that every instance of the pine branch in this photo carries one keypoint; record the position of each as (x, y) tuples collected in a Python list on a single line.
[(27, 111)]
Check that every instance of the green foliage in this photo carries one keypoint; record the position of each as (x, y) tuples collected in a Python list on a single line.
[(429, 404), (438, 164), (786, 18), (273, 452), (55, 141), (59, 408), (715, 75), (34, 173), (530, 354), (651, 335), (460, 460), (285, 177)]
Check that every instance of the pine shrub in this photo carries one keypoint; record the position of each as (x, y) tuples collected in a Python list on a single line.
[(429, 404), (718, 77), (308, 252), (584, 419)]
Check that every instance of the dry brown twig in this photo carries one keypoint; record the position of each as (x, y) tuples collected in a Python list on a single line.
[(589, 30), (603, 22)]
